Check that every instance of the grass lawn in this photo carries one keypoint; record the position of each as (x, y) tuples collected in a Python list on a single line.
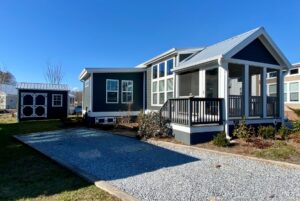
[(27, 175)]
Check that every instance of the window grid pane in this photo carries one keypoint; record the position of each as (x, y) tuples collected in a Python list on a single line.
[(162, 69), (154, 72), (169, 66), (161, 85)]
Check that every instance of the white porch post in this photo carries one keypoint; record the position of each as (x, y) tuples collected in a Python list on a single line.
[(280, 91), (202, 83), (264, 92), (223, 93), (176, 87), (246, 91)]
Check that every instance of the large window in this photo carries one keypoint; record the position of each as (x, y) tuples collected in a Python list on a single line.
[(162, 82), (154, 72), (112, 91), (294, 92), (169, 67), (57, 100), (127, 91), (162, 69)]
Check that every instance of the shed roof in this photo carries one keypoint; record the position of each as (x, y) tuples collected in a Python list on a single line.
[(42, 86)]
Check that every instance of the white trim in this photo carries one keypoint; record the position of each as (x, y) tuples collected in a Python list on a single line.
[(197, 129), (86, 71), (33, 106), (91, 91), (113, 114), (130, 102), (61, 100), (253, 63), (258, 33), (115, 91)]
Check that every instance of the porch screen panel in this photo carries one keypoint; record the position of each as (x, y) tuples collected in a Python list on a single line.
[(255, 88), (272, 93), (189, 84), (235, 90)]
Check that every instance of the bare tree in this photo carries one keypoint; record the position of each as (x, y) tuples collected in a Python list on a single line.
[(77, 96), (54, 74), (7, 77)]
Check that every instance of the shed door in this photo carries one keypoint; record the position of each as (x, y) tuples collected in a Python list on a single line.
[(33, 105)]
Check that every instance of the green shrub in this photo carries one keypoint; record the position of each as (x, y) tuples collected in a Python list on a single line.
[(283, 132), (296, 126), (266, 132), (150, 125), (243, 131), (220, 140)]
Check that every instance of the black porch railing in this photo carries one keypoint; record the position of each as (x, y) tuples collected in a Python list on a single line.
[(255, 106), (235, 105), (192, 111), (272, 107)]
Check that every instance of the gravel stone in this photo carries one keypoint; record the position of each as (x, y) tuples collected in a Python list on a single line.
[(166, 172)]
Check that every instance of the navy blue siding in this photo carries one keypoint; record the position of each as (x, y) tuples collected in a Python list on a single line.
[(99, 92), (52, 112), (256, 51)]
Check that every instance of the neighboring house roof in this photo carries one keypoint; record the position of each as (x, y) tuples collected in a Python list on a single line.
[(85, 72), (8, 89), (296, 64), (42, 86), (227, 48), (168, 53)]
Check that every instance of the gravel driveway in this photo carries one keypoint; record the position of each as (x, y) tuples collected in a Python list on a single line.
[(167, 172)]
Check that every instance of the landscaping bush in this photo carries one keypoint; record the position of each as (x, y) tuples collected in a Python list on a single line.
[(266, 132), (220, 140), (283, 132), (150, 125), (296, 126), (242, 131)]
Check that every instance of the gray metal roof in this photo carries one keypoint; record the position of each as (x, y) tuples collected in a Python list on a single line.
[(216, 50), (42, 86), (8, 89)]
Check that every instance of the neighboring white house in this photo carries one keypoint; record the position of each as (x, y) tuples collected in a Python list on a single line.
[(8, 97)]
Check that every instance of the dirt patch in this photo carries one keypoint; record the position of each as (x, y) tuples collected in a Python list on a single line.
[(252, 147)]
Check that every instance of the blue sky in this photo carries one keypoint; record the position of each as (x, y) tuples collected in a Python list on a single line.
[(124, 33)]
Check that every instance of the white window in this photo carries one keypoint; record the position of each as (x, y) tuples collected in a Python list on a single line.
[(112, 91), (162, 82), (127, 91), (294, 92), (57, 100), (285, 92), (170, 89), (272, 90), (294, 71)]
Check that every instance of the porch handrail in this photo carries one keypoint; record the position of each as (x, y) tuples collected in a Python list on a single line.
[(193, 110)]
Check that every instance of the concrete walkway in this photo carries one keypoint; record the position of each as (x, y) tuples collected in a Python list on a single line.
[(165, 171)]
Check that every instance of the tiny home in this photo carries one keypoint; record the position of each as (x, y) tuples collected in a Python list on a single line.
[(8, 96), (42, 101), (201, 91)]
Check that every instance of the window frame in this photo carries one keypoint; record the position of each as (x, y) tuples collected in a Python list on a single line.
[(123, 102), (294, 69), (61, 100), (115, 91), (290, 92), (158, 78)]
